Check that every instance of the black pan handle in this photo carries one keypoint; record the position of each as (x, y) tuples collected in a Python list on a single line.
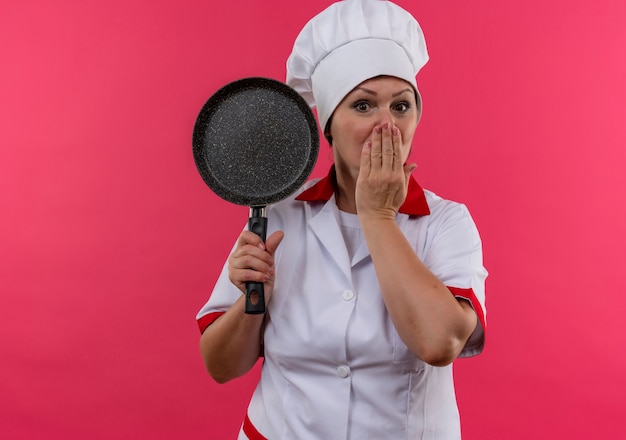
[(255, 292)]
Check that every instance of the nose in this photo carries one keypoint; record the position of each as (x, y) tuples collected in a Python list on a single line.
[(385, 116)]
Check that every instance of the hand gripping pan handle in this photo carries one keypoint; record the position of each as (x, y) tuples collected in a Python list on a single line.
[(255, 292)]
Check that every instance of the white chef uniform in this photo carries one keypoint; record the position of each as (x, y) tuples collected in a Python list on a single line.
[(334, 366)]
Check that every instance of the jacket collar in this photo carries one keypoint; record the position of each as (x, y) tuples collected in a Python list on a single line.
[(322, 190)]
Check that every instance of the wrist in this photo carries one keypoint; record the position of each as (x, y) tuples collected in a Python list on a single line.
[(377, 219)]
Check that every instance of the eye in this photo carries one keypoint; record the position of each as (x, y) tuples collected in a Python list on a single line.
[(361, 106), (402, 107)]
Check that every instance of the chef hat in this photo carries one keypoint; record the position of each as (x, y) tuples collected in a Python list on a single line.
[(349, 42)]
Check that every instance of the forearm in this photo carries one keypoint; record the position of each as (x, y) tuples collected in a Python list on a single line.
[(428, 318), (230, 346)]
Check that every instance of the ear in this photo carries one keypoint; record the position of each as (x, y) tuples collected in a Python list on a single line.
[(327, 135)]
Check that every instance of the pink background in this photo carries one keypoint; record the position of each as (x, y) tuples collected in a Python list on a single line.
[(110, 241)]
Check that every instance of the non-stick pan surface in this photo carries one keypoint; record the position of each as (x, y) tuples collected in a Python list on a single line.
[(255, 141)]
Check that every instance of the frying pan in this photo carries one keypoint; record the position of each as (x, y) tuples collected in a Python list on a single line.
[(255, 142)]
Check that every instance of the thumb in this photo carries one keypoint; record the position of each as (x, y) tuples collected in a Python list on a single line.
[(408, 169), (272, 242)]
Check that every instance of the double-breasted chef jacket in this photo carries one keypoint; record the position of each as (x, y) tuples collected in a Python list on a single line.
[(334, 366)]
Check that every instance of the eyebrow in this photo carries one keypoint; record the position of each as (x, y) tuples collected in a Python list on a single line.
[(371, 92)]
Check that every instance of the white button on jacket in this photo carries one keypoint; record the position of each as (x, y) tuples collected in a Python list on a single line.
[(343, 371), (348, 295)]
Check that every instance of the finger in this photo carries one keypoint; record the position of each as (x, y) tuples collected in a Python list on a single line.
[(240, 277), (376, 148), (250, 238), (366, 160), (249, 258), (397, 149), (408, 170), (272, 242), (388, 152)]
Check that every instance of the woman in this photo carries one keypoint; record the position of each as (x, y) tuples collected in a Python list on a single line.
[(373, 285)]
